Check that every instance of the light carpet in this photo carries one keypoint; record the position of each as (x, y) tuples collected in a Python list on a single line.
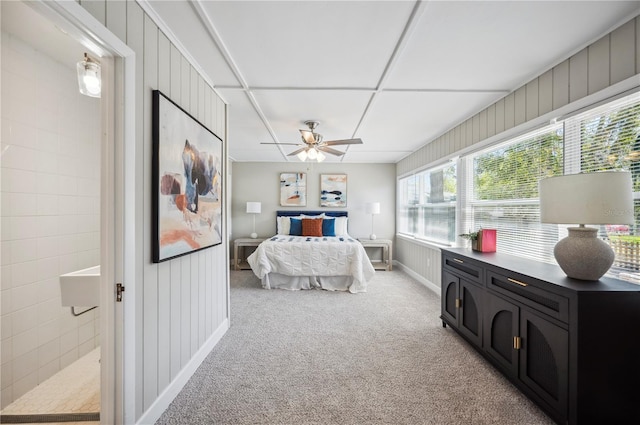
[(319, 357)]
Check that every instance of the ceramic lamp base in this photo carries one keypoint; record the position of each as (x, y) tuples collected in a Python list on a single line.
[(581, 255), (372, 236), (254, 235)]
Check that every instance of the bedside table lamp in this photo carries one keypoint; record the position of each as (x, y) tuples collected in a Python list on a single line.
[(254, 208), (593, 198), (372, 208)]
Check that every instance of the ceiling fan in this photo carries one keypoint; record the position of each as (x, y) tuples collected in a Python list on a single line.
[(314, 145)]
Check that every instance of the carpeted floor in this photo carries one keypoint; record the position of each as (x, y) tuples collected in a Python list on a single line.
[(318, 357)]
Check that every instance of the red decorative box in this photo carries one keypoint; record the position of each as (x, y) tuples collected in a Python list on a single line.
[(486, 240)]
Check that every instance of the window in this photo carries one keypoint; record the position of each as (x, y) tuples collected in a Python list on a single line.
[(501, 191), (608, 138), (427, 204)]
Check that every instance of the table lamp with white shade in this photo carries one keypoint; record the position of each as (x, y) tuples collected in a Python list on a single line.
[(372, 208), (592, 198), (254, 208)]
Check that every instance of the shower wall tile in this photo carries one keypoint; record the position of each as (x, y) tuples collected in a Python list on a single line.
[(49, 353), (50, 214), (25, 365), (47, 371)]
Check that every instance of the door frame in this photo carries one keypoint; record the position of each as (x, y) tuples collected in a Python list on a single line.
[(117, 224)]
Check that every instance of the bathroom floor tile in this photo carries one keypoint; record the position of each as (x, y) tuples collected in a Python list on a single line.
[(75, 389)]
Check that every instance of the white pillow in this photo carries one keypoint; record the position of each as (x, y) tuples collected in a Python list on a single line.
[(284, 225), (312, 216), (341, 226)]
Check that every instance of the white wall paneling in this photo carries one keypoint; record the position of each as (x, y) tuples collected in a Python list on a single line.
[(181, 306)]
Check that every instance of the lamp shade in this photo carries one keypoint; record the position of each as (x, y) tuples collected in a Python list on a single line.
[(593, 198), (254, 207), (372, 208)]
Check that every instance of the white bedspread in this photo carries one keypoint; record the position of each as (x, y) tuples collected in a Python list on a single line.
[(313, 256)]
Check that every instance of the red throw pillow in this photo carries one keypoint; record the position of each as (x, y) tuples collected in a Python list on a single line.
[(311, 227)]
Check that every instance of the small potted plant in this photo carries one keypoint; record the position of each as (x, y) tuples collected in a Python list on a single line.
[(473, 237)]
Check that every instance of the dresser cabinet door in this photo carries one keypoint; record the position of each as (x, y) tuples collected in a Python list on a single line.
[(470, 323), (501, 326), (450, 298), (544, 359)]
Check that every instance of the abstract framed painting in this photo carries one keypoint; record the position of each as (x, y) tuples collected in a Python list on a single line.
[(187, 182), (293, 189), (333, 190)]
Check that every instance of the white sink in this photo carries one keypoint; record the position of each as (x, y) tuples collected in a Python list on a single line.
[(81, 288)]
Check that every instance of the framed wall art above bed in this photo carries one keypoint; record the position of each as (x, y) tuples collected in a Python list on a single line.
[(187, 182), (333, 190), (293, 189)]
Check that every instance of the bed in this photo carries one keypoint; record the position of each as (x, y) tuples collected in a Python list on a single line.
[(312, 249)]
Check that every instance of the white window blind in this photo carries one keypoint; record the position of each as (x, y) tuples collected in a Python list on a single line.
[(427, 204), (500, 189), (503, 191), (608, 138)]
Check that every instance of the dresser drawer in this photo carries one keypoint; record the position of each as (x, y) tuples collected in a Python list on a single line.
[(525, 291), (463, 267)]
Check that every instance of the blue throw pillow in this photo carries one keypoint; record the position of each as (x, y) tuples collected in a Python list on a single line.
[(296, 227), (328, 227)]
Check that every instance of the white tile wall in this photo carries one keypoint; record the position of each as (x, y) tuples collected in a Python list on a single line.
[(50, 214)]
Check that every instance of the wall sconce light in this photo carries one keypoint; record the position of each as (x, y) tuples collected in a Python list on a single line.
[(254, 208), (372, 208), (592, 198), (89, 77)]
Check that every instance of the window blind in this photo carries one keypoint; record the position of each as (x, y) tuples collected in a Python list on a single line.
[(608, 138), (500, 188), (427, 204), (503, 191)]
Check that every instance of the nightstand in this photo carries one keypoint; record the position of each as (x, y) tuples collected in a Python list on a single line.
[(387, 252), (240, 264)]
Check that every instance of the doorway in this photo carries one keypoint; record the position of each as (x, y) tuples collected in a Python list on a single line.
[(58, 218)]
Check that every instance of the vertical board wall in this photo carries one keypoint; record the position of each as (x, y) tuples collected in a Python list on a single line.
[(180, 303), (613, 59)]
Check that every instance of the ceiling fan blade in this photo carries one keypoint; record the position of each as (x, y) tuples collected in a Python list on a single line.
[(296, 152), (330, 150), (308, 137), (342, 142), (273, 143)]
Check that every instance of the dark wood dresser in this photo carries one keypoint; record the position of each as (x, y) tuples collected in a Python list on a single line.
[(571, 346)]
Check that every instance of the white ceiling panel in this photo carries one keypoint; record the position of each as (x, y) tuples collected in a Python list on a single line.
[(428, 65), (408, 120), (310, 43), (482, 45), (337, 111)]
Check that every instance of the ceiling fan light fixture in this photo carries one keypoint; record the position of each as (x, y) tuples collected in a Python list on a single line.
[(313, 154), (303, 156), (320, 157)]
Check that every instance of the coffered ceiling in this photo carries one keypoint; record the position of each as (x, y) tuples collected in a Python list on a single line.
[(396, 74)]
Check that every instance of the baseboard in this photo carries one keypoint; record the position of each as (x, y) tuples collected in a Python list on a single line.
[(430, 285), (166, 397)]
